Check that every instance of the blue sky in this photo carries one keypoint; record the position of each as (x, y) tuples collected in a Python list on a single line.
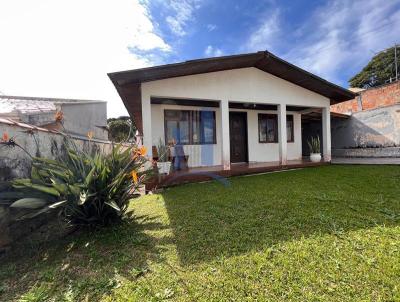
[(333, 39), (65, 48)]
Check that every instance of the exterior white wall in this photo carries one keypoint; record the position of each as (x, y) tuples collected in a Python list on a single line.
[(264, 152), (210, 155), (247, 85)]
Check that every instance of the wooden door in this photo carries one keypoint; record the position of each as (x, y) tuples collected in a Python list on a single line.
[(238, 136)]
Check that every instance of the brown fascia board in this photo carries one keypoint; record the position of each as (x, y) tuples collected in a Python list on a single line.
[(262, 60), (296, 75), (185, 68), (131, 95)]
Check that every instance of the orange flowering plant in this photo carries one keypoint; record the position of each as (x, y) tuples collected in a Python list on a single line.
[(59, 116), (5, 137), (86, 188), (139, 152), (90, 134)]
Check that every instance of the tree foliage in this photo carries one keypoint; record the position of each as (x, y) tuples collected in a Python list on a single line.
[(378, 71), (121, 129)]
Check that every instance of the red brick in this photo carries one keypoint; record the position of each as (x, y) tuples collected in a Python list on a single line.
[(385, 95)]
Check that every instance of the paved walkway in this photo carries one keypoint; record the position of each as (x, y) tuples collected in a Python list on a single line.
[(366, 161)]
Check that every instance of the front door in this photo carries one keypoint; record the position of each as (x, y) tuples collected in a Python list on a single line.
[(238, 136)]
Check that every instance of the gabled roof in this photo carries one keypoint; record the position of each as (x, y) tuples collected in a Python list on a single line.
[(262, 60)]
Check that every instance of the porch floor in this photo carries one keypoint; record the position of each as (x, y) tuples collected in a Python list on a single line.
[(217, 172)]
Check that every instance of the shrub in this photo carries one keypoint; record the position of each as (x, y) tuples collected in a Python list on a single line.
[(121, 129), (87, 188), (163, 151), (314, 145)]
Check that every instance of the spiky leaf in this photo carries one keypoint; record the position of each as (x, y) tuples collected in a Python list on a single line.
[(29, 203)]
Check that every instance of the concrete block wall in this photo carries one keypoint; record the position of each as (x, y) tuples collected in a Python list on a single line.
[(80, 118), (368, 129), (14, 162)]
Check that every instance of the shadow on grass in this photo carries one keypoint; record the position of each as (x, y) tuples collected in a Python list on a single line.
[(81, 266), (253, 213)]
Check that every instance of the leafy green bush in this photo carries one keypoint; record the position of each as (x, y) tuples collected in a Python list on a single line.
[(86, 188), (121, 129)]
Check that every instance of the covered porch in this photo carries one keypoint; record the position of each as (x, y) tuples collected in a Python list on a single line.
[(221, 134), (218, 173)]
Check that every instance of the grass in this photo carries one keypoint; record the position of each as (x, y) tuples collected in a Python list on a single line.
[(330, 233)]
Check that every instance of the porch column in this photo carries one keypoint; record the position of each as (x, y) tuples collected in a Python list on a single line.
[(282, 134), (146, 114), (225, 138), (326, 133)]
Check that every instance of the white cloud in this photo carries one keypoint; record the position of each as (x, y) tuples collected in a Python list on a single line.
[(265, 34), (65, 48), (345, 34), (211, 27), (213, 52), (182, 12)]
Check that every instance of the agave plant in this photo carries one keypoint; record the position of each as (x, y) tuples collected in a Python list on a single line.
[(314, 145), (162, 150), (85, 188)]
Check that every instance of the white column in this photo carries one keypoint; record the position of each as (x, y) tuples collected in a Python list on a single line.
[(326, 133), (225, 138), (282, 134), (146, 117)]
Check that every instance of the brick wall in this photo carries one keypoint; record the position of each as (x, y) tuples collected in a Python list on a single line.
[(385, 95)]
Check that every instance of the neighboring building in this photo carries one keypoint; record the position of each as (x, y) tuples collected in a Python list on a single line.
[(373, 126), (79, 116), (241, 108)]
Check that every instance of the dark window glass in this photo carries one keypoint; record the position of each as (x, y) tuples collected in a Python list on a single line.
[(190, 127), (289, 128), (207, 127), (177, 126), (268, 128)]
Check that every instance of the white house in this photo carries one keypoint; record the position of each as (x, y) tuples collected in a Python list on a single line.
[(224, 110)]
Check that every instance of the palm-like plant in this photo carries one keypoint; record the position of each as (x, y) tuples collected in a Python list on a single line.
[(162, 150), (90, 189), (314, 145)]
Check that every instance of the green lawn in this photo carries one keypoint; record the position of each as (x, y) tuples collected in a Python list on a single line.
[(330, 233)]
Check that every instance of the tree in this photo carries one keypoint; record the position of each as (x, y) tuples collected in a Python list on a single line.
[(121, 129), (378, 71)]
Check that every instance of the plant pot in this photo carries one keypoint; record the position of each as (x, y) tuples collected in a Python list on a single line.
[(315, 157), (164, 167)]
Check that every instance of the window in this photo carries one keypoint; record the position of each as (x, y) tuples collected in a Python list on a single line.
[(268, 128), (190, 127), (289, 128)]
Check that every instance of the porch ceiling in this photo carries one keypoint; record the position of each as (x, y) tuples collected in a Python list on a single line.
[(232, 105), (317, 116)]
